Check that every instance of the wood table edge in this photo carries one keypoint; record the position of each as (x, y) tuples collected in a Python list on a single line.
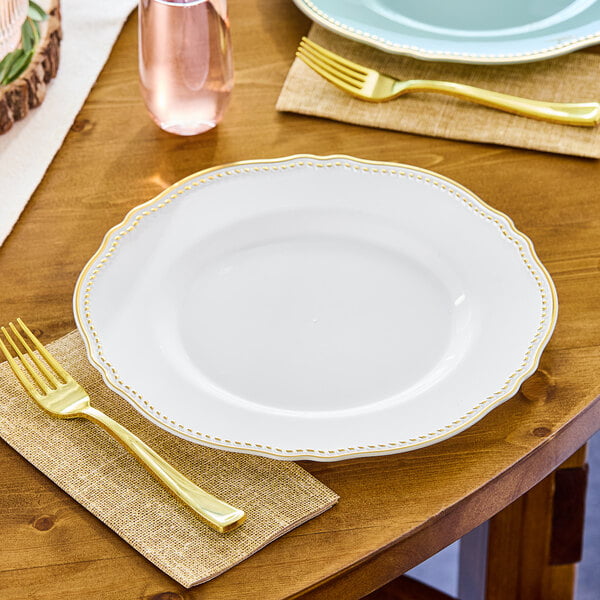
[(385, 564)]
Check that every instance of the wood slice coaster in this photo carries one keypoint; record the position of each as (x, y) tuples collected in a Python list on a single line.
[(29, 90)]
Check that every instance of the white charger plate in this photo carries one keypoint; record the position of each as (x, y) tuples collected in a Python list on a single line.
[(468, 31), (315, 308)]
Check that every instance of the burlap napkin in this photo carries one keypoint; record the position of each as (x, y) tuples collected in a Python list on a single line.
[(97, 472), (571, 78)]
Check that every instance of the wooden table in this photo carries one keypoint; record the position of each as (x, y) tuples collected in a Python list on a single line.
[(394, 511)]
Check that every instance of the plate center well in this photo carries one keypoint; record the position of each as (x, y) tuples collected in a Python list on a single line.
[(317, 323)]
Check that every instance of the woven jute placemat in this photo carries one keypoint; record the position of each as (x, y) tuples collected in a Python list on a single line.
[(97, 472), (571, 78)]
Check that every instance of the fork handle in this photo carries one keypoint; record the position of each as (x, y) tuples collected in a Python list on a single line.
[(216, 513), (584, 113)]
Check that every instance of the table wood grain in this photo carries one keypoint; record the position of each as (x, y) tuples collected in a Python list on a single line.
[(394, 511)]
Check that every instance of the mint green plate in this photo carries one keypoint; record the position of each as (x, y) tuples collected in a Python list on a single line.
[(467, 31)]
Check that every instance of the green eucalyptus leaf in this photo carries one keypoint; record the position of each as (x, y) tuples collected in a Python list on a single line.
[(35, 30), (5, 64), (28, 38), (13, 57), (36, 12), (19, 66)]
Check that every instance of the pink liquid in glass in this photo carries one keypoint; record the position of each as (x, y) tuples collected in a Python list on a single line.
[(186, 71)]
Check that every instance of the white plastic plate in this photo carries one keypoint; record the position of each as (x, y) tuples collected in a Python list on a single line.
[(315, 307)]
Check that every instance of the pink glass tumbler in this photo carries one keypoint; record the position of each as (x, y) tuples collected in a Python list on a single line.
[(186, 70)]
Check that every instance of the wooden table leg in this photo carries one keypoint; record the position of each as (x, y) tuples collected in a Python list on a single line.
[(529, 550)]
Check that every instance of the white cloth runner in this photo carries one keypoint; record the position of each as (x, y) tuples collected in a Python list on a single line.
[(89, 32)]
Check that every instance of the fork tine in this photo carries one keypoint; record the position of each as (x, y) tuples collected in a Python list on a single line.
[(332, 71), (351, 89), (31, 390), (19, 372), (336, 57), (339, 67), (38, 363), (45, 353)]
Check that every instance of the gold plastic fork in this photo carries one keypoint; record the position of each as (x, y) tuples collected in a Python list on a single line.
[(60, 395), (368, 84)]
